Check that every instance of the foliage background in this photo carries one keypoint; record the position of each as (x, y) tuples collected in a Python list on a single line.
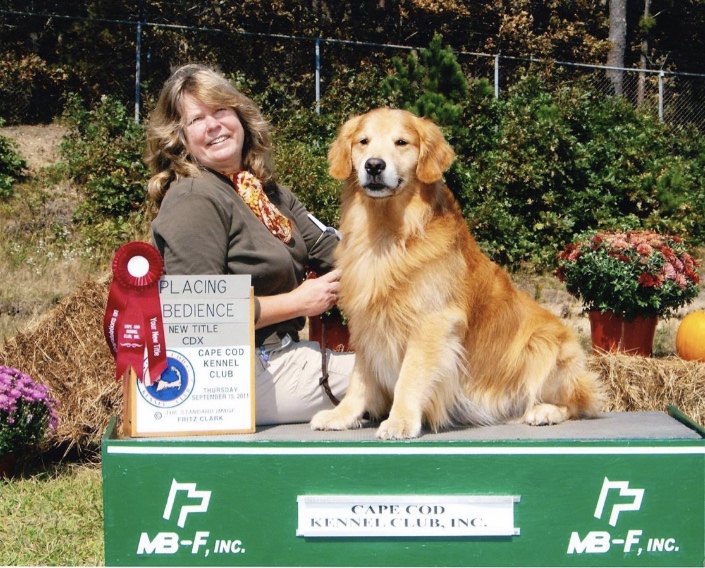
[(545, 162), (550, 158)]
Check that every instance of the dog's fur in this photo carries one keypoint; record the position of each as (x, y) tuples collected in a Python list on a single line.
[(440, 333)]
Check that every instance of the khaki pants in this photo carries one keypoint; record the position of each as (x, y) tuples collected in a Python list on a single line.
[(287, 379)]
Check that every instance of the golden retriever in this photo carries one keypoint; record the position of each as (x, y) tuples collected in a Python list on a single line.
[(441, 335)]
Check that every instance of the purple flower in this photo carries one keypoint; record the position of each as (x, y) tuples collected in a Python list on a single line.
[(27, 411)]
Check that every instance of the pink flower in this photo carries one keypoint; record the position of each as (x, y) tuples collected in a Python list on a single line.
[(668, 271), (644, 249), (27, 411)]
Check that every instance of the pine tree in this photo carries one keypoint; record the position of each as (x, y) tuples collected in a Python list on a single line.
[(429, 84)]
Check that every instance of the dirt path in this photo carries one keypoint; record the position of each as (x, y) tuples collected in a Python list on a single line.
[(38, 144)]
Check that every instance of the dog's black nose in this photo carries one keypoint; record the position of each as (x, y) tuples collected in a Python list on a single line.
[(375, 166)]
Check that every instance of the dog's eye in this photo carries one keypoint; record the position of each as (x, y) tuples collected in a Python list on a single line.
[(401, 142), (364, 141)]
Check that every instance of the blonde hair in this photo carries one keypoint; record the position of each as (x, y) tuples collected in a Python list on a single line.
[(167, 155)]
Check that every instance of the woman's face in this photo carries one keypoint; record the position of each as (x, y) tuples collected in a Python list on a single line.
[(214, 136)]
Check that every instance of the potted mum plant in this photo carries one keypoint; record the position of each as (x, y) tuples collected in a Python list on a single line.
[(27, 415), (626, 281)]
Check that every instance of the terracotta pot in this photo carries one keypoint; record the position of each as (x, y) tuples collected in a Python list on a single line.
[(612, 333), (337, 335), (7, 465), (605, 331), (638, 335)]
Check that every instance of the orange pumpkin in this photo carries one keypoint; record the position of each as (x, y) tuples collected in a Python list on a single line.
[(690, 339)]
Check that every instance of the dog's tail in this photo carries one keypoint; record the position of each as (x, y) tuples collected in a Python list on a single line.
[(587, 396), (548, 366), (573, 384)]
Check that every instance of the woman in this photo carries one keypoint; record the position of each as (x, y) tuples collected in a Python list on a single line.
[(221, 212)]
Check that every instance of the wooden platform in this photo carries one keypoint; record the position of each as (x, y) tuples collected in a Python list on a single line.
[(621, 489)]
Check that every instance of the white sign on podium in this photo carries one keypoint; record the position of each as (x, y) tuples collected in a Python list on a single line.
[(208, 386)]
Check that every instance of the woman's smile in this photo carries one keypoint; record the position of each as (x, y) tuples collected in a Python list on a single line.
[(214, 135)]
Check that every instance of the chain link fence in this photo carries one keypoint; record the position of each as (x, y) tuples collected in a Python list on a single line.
[(32, 90)]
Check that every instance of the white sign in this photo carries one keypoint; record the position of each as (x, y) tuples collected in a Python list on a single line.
[(208, 386), (406, 515)]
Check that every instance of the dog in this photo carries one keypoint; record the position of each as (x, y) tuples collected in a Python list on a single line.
[(441, 335)]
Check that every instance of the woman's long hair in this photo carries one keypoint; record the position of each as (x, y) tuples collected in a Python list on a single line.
[(167, 156)]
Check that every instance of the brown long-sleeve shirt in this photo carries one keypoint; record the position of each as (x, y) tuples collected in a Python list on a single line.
[(204, 227)]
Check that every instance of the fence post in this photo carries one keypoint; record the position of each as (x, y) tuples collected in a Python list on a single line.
[(138, 58), (496, 76), (660, 96), (318, 75)]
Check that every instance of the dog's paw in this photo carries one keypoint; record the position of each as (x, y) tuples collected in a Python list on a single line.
[(397, 429), (332, 420), (546, 414)]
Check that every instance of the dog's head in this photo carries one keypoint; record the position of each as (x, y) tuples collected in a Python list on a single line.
[(386, 149)]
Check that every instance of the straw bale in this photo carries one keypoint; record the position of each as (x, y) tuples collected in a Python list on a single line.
[(66, 350), (643, 383)]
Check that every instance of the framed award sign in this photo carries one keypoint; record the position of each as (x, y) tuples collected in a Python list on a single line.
[(207, 385)]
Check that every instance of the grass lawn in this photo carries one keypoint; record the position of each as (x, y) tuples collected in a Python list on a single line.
[(52, 515)]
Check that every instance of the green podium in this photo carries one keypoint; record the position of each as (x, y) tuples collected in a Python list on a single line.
[(624, 489)]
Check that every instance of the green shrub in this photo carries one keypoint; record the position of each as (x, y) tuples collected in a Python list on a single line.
[(12, 166), (522, 182), (103, 150), (301, 164), (679, 186), (559, 162), (430, 83)]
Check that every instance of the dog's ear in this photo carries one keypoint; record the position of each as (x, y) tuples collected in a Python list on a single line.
[(339, 154), (435, 154)]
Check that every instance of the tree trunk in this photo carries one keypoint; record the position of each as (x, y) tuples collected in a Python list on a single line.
[(641, 87), (618, 45)]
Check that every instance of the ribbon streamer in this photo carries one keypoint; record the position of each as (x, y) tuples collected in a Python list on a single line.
[(133, 315)]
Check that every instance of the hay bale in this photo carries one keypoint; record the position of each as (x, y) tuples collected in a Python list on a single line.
[(644, 383), (65, 349)]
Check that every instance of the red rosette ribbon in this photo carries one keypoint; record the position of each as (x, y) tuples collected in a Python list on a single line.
[(133, 315)]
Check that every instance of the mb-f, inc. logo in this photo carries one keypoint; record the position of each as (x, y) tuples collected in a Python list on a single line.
[(184, 500), (191, 494), (616, 498), (193, 501), (632, 499)]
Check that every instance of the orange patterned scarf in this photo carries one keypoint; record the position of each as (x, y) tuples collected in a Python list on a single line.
[(250, 189)]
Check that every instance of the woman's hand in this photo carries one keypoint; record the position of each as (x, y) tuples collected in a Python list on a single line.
[(316, 295), (313, 297)]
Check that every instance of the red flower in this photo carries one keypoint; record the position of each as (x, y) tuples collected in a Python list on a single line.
[(650, 280)]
